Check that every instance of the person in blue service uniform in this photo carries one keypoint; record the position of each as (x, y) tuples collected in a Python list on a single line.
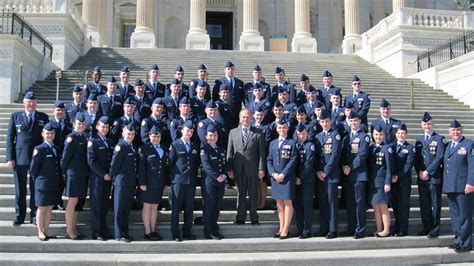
[(74, 166), (429, 168), (271, 133), (124, 88), (152, 178), (312, 98), (183, 161), (46, 172), (328, 89), (282, 157), (225, 113), (282, 83), (388, 123), (337, 110), (237, 91), (99, 156), (459, 186), (143, 101), (359, 99), (380, 168), (201, 75), (258, 78), (401, 187), (259, 100), (62, 128), (92, 115), (123, 171), (302, 118), (77, 105), (306, 87), (157, 119), (355, 149), (211, 119), (23, 134), (329, 142), (110, 103), (214, 171), (182, 88), (128, 118), (198, 102), (154, 88), (305, 180), (289, 108), (171, 101), (184, 115), (94, 87)]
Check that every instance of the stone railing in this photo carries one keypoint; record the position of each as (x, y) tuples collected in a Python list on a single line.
[(425, 18)]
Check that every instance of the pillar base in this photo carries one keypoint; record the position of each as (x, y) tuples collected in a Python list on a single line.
[(251, 43), (304, 44), (198, 41), (142, 39), (351, 44)]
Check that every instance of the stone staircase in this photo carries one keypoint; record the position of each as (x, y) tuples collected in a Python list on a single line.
[(244, 244)]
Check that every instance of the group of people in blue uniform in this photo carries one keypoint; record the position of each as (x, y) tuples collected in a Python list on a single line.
[(128, 142)]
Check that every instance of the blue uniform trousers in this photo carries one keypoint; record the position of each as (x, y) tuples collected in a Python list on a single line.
[(304, 207), (400, 199), (356, 205), (99, 201), (20, 172), (182, 198), (212, 203), (461, 219), (328, 205), (430, 206), (123, 199)]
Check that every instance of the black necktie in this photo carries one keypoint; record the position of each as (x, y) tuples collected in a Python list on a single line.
[(105, 142), (30, 120), (399, 146)]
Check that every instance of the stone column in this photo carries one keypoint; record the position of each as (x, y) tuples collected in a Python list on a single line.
[(103, 21), (90, 16), (397, 4), (144, 35), (250, 40), (302, 39), (197, 37), (352, 40)]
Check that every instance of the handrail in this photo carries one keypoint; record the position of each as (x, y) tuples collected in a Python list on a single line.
[(456, 47), (13, 24)]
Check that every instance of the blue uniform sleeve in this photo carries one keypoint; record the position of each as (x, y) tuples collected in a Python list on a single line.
[(142, 167), (389, 160), (92, 158), (36, 160), (271, 169), (11, 138), (364, 110), (418, 156), (117, 159), (207, 164), (201, 132), (410, 161), (69, 149), (470, 165), (333, 163), (361, 157), (434, 165)]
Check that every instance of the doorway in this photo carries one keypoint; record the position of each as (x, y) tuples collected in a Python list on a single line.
[(219, 28)]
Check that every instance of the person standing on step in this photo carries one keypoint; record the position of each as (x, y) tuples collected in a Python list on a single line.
[(281, 163), (74, 165), (201, 76), (401, 182), (152, 178), (428, 165), (183, 162), (211, 119), (355, 149), (77, 105), (171, 101), (46, 172), (328, 89), (282, 85), (359, 99), (328, 175), (306, 88), (459, 186), (183, 88), (99, 156), (214, 174), (92, 115), (110, 103), (154, 88), (94, 87), (388, 123), (158, 119), (380, 166), (124, 88), (123, 171), (307, 157), (246, 156), (23, 134), (250, 86)]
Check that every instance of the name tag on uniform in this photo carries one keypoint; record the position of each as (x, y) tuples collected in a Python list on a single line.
[(462, 151), (101, 148), (130, 153), (151, 156), (49, 155), (181, 152), (213, 158), (404, 151)]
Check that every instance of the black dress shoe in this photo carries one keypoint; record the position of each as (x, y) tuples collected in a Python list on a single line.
[(305, 235), (239, 222), (51, 237), (177, 239), (432, 235), (331, 235), (453, 246), (276, 236), (255, 223), (359, 235), (108, 236), (124, 239), (322, 234), (400, 234), (156, 236), (284, 237), (43, 238), (147, 236), (198, 220), (99, 237), (462, 250), (213, 236), (422, 233), (17, 223), (220, 235), (189, 237)]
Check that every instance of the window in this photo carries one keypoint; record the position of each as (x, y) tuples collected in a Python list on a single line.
[(127, 30)]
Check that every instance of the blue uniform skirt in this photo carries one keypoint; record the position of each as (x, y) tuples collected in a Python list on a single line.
[(284, 190), (46, 197), (378, 196), (152, 195), (76, 186)]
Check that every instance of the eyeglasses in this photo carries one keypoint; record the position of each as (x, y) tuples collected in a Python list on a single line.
[(356, 83)]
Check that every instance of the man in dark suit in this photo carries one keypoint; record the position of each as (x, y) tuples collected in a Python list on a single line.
[(246, 158), (24, 133), (459, 185)]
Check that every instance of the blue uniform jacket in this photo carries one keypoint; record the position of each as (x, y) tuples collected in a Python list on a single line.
[(361, 104), (380, 162), (389, 130), (308, 157), (154, 93), (72, 109), (99, 156), (330, 149), (221, 132), (354, 154), (112, 109), (96, 88), (459, 166), (152, 170), (171, 108), (45, 168), (282, 160), (236, 93), (183, 164), (214, 164), (21, 139), (429, 156), (249, 91), (60, 134), (74, 160), (161, 123), (404, 160), (123, 167), (290, 87)]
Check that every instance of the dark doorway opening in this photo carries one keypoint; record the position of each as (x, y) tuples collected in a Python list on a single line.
[(219, 28)]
